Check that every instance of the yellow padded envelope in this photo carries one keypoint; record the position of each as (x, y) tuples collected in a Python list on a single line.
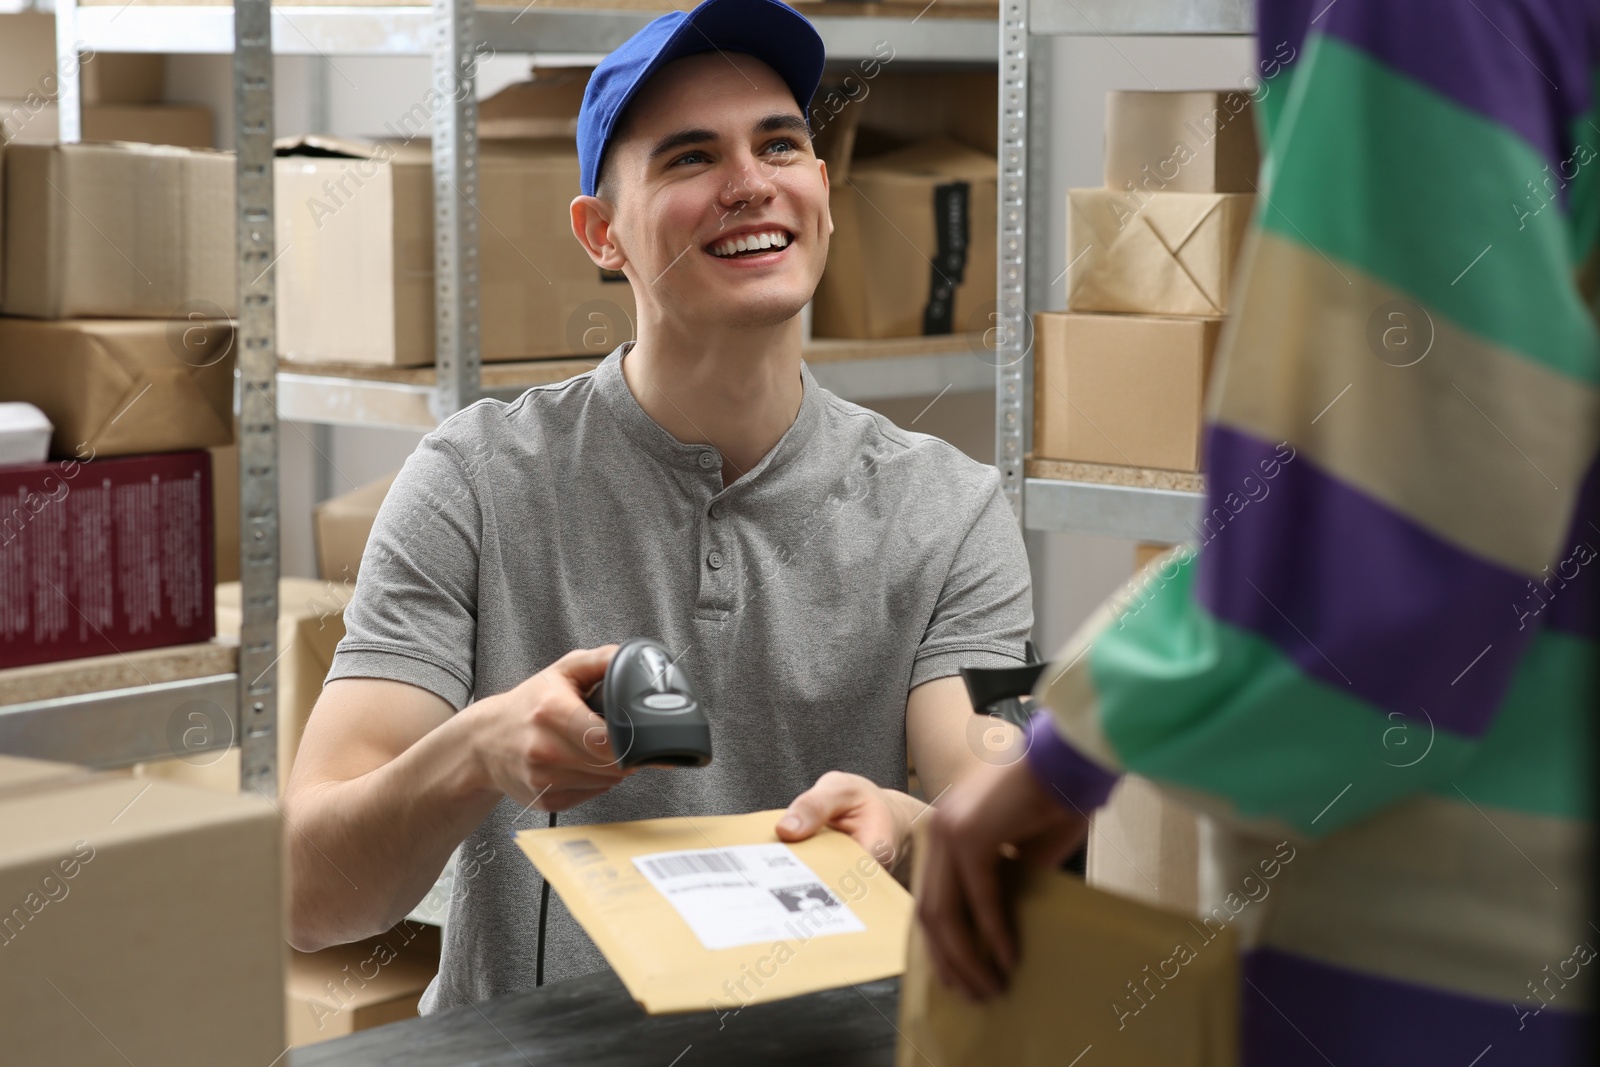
[(713, 913)]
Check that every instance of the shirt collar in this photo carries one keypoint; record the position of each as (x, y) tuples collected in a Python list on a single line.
[(650, 436)]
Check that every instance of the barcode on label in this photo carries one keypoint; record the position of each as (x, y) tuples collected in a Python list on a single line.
[(581, 852), (693, 863)]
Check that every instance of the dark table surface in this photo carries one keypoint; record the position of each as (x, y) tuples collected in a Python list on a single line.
[(592, 1020)]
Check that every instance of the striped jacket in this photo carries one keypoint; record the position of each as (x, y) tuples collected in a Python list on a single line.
[(1383, 647)]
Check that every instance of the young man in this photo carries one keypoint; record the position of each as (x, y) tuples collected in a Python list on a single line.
[(819, 573)]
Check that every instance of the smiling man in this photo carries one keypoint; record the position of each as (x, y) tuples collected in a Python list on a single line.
[(821, 574)]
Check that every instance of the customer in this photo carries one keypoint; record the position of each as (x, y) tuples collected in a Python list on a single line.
[(1391, 658), (818, 572)]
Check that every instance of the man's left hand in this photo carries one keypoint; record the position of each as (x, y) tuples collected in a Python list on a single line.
[(878, 819)]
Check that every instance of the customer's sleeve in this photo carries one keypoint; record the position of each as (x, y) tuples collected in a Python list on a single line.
[(984, 611), (413, 617), (1392, 560)]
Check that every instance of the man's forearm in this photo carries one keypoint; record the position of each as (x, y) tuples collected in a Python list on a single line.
[(363, 852)]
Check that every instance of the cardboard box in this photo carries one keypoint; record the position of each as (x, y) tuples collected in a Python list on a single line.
[(183, 125), (347, 988), (123, 78), (1146, 846), (142, 231), (913, 248), (1146, 553), (355, 236), (544, 106), (116, 387), (1180, 142), (715, 913), (1161, 254), (310, 625), (103, 557), (1121, 389), (343, 524), (225, 501), (27, 55), (1141, 986), (28, 66), (142, 923)]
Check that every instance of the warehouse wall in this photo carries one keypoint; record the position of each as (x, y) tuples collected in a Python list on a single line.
[(357, 96)]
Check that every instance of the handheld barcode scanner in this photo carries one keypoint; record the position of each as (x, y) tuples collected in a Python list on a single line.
[(1005, 691), (653, 715)]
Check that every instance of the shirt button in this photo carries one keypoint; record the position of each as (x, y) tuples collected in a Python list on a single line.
[(716, 510), (708, 460), (714, 560)]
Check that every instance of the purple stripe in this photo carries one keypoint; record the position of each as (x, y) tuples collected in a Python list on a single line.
[(1573, 585), (1355, 594), (1298, 1013), (1525, 64), (1070, 778)]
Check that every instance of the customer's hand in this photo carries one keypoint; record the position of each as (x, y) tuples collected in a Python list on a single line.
[(879, 819), (540, 744), (992, 812)]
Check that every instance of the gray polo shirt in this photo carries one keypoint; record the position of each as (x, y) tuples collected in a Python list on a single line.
[(851, 564)]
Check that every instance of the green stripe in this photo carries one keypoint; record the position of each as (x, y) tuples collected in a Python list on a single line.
[(1536, 758), (1583, 195), (1191, 700), (1379, 172)]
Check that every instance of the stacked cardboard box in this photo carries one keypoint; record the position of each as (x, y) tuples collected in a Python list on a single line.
[(119, 281), (912, 180), (1121, 376), (152, 909), (121, 94), (355, 233)]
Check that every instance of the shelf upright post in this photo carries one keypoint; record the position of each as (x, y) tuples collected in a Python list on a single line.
[(257, 361), (69, 98), (1013, 343), (455, 210)]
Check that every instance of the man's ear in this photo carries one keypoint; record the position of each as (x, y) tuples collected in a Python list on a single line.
[(591, 225), (827, 201)]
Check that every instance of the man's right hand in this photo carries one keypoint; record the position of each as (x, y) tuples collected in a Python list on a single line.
[(540, 744)]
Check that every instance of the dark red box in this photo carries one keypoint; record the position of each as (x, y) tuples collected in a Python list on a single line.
[(107, 556)]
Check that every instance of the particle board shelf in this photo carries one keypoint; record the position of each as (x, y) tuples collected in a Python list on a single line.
[(403, 397), (1099, 500), (1066, 470), (95, 674), (117, 710)]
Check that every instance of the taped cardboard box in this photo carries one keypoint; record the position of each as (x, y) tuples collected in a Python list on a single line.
[(355, 278), (716, 913), (1161, 254), (913, 250), (1121, 389), (27, 55), (1142, 986), (152, 909), (544, 106), (118, 387), (353, 987), (104, 557), (1180, 142), (166, 214), (343, 524), (310, 626), (183, 125)]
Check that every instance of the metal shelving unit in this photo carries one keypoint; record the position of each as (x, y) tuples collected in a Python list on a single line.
[(452, 32), (1131, 507), (120, 726)]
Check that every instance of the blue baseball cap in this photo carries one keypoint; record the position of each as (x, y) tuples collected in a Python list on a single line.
[(772, 32)]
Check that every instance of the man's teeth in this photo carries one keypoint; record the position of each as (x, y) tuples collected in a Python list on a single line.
[(751, 242)]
